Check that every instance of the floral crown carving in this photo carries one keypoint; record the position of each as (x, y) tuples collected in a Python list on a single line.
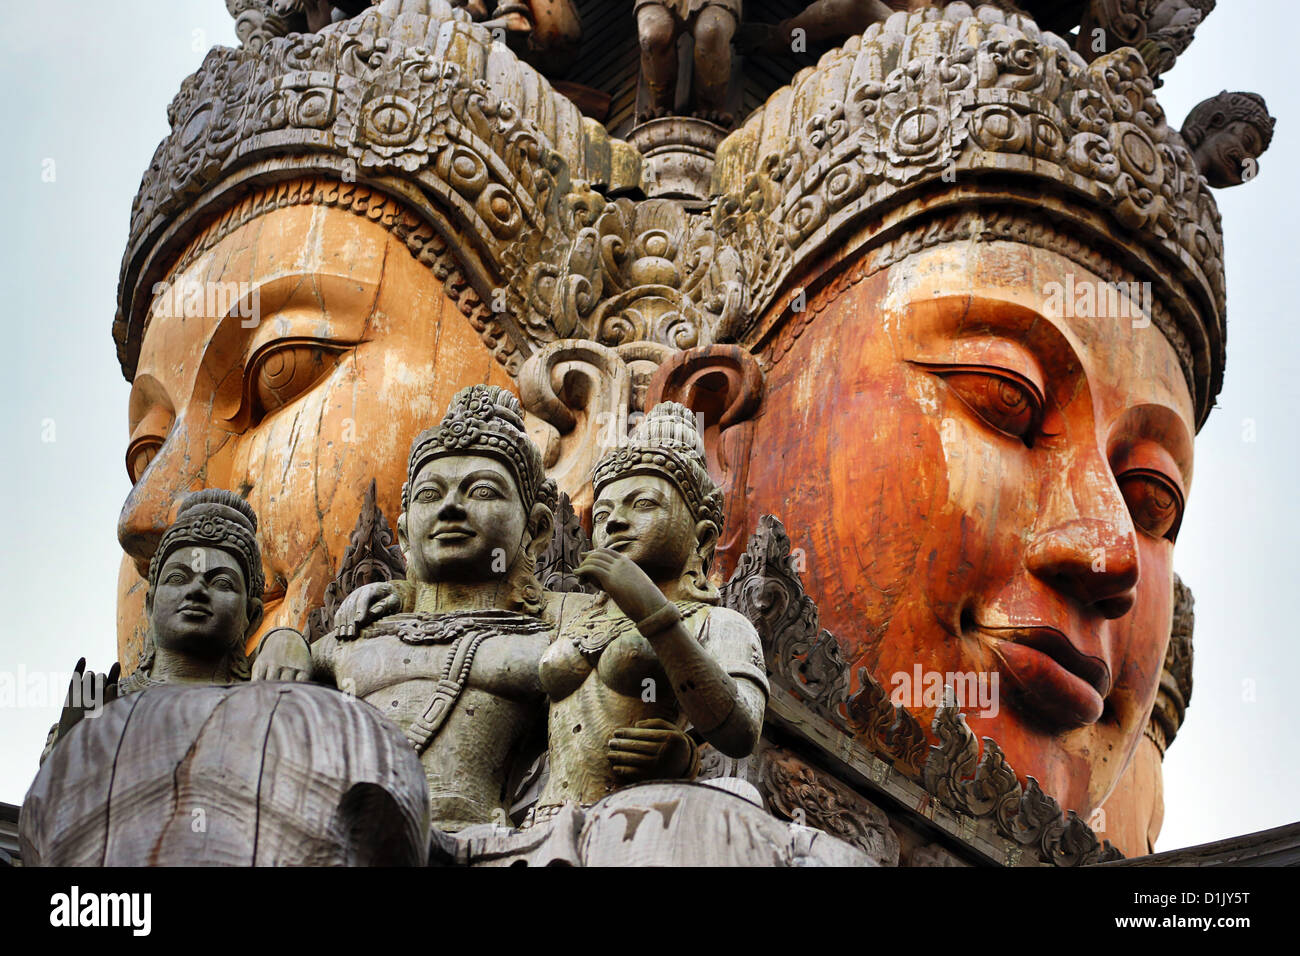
[(951, 107), (215, 518), (485, 420), (667, 443)]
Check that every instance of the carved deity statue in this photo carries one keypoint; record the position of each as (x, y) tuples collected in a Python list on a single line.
[(711, 24), (1227, 134), (203, 602), (654, 652), (456, 668)]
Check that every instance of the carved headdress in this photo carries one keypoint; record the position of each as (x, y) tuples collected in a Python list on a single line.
[(485, 420), (957, 124), (211, 518), (406, 113), (1219, 111), (667, 442), (215, 518)]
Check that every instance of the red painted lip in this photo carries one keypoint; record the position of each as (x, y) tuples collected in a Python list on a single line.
[(1059, 683)]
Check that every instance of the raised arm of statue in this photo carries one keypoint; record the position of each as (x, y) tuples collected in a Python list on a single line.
[(727, 710)]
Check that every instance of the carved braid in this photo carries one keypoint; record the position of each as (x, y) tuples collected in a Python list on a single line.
[(424, 244)]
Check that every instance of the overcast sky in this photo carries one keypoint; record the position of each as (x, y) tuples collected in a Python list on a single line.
[(87, 85)]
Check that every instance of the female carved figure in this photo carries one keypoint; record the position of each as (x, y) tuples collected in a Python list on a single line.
[(652, 653)]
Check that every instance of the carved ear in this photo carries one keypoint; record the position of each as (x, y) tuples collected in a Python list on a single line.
[(401, 537), (577, 395), (256, 611), (724, 385), (706, 538), (541, 526)]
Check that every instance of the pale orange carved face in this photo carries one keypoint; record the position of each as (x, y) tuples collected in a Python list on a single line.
[(984, 486), (354, 349)]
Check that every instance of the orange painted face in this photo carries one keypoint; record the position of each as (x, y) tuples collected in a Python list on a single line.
[(988, 480), (303, 352)]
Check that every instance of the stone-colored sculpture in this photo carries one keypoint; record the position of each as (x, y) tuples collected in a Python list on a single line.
[(260, 774), (711, 24), (1227, 134), (203, 603), (456, 668), (656, 652), (205, 594)]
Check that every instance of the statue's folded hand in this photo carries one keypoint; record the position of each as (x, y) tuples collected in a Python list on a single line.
[(652, 749), (283, 655)]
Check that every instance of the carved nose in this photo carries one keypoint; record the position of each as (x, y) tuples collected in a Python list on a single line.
[(451, 510), (615, 522), (145, 516), (1091, 561)]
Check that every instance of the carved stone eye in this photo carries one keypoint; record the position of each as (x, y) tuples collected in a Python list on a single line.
[(1153, 502), (1003, 403)]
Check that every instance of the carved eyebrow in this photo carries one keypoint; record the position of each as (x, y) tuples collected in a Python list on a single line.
[(484, 475)]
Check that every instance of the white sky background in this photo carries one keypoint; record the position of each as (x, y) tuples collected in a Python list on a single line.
[(87, 84)]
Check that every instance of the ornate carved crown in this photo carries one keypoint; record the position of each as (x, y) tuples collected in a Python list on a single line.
[(667, 442), (485, 420), (215, 518), (410, 97), (942, 110)]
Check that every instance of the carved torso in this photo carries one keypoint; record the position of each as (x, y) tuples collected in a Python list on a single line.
[(601, 674), (397, 665)]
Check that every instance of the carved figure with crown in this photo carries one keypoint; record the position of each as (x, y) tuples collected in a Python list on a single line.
[(907, 269), (653, 652)]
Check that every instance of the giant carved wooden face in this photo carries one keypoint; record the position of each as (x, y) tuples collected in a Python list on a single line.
[(354, 348), (986, 485)]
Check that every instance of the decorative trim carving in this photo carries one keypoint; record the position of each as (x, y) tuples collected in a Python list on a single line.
[(371, 556), (987, 788), (568, 544), (620, 271), (802, 658), (1175, 691), (981, 789), (797, 791)]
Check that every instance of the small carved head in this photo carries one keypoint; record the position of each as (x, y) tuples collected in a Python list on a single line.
[(1227, 134), (656, 503), (206, 582), (477, 504)]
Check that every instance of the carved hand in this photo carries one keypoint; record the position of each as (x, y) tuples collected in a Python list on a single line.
[(363, 606), (651, 750), (87, 693), (618, 576), (283, 655)]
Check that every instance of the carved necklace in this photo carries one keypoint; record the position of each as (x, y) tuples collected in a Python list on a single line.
[(423, 628), (463, 631), (593, 631)]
